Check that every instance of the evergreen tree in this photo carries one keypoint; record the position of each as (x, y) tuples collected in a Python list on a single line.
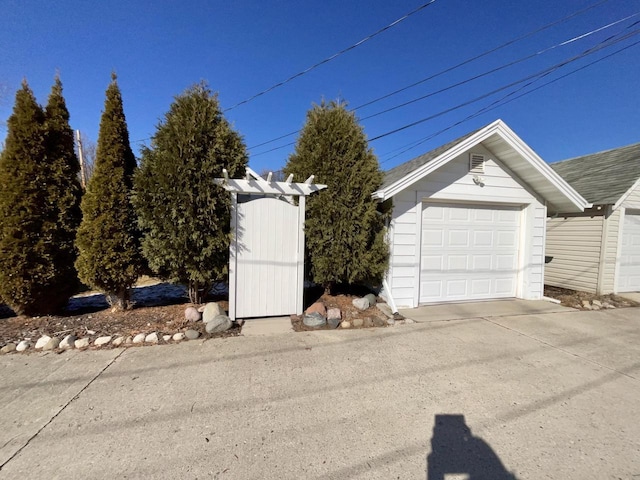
[(39, 206), (345, 233), (108, 239), (182, 212)]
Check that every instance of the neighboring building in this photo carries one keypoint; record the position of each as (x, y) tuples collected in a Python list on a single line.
[(468, 220), (598, 250)]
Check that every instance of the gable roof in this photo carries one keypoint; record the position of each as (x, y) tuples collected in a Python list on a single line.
[(604, 177), (509, 148)]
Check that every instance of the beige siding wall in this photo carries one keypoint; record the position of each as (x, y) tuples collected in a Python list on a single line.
[(610, 253), (454, 183), (575, 244)]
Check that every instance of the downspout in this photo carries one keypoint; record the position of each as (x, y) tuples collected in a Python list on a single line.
[(390, 299)]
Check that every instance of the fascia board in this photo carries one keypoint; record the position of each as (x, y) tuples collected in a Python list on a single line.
[(626, 194)]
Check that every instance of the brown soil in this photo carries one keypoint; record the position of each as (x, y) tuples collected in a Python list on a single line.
[(158, 308), (349, 313), (574, 298)]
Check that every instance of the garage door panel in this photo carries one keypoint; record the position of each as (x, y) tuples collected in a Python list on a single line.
[(629, 271), (468, 252)]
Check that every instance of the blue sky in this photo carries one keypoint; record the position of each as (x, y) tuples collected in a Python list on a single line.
[(159, 48)]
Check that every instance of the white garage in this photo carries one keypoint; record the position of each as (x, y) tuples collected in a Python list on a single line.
[(629, 274), (468, 252), (468, 220)]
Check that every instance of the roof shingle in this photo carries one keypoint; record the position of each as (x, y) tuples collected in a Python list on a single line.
[(603, 177)]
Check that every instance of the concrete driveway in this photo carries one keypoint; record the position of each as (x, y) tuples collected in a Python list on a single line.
[(550, 395)]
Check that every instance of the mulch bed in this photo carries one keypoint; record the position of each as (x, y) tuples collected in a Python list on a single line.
[(158, 308), (574, 298)]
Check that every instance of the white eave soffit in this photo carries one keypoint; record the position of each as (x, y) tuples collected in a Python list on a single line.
[(566, 196)]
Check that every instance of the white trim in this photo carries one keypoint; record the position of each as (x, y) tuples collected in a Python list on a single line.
[(618, 249), (500, 128), (300, 255), (418, 242), (626, 194), (233, 245), (603, 252)]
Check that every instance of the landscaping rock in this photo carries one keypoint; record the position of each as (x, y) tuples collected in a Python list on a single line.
[(333, 322), (597, 303), (345, 324), (128, 340), (372, 299), (368, 322), (68, 342), (51, 344), (201, 308), (586, 304), (386, 309), (334, 313), (22, 346), (220, 323), (151, 338), (191, 314), (408, 320), (361, 303), (379, 322), (313, 320), (139, 338), (357, 322), (42, 341), (81, 343), (117, 341), (166, 338), (192, 334), (317, 307), (211, 311), (178, 337), (391, 321), (102, 341), (8, 348)]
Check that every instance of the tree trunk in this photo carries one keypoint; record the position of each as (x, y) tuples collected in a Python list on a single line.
[(198, 291), (120, 301)]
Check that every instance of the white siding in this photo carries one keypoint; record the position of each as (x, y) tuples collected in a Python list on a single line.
[(633, 200), (453, 183), (575, 244), (610, 253)]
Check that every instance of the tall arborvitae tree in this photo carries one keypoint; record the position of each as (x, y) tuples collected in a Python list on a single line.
[(108, 238), (183, 213), (39, 206), (64, 191), (22, 198), (344, 227)]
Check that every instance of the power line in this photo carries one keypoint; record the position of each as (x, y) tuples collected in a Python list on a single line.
[(600, 46), (501, 67), (449, 69), (563, 43), (500, 103), (334, 56)]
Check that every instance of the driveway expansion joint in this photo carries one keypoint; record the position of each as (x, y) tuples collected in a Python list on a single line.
[(62, 409)]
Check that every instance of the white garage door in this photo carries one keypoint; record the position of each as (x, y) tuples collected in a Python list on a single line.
[(468, 252), (629, 273)]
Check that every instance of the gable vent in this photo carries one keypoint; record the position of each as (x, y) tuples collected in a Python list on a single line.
[(476, 163)]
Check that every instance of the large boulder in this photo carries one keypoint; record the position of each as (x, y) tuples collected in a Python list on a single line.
[(314, 320), (317, 307), (372, 299), (211, 311), (191, 314), (220, 323), (361, 303)]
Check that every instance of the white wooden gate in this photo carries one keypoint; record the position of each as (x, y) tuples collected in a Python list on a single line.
[(266, 257)]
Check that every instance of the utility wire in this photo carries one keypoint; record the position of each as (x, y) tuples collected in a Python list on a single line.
[(501, 103), (450, 69), (334, 56), (566, 42), (501, 67), (546, 71)]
